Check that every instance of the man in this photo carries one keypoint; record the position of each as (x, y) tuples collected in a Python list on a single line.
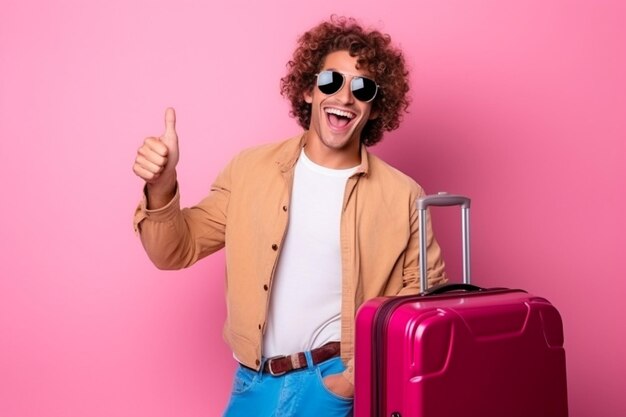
[(313, 226)]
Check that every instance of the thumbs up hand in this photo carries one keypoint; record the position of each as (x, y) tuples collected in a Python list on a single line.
[(156, 162)]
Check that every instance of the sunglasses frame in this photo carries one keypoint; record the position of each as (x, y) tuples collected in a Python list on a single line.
[(343, 82)]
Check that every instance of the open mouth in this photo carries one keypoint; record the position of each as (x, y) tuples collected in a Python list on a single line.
[(337, 118)]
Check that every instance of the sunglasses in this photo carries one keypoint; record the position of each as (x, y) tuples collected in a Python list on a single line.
[(363, 89)]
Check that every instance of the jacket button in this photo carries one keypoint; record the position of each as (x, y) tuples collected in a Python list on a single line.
[(259, 327), (275, 246), (265, 287), (284, 208), (258, 362)]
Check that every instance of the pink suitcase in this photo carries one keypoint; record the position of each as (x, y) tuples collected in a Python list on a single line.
[(459, 350)]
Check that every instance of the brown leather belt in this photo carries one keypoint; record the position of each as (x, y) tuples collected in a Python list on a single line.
[(280, 365)]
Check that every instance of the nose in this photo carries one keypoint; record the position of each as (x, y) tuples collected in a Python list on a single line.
[(345, 94)]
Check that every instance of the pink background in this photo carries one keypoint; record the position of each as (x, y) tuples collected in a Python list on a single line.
[(521, 105)]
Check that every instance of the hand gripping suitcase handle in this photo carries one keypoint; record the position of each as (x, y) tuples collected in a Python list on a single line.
[(443, 199)]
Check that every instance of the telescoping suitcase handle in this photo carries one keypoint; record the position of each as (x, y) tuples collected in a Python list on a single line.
[(445, 199)]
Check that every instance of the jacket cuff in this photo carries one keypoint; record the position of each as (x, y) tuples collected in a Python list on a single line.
[(161, 215)]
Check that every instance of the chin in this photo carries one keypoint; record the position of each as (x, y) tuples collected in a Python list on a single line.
[(340, 141), (337, 144)]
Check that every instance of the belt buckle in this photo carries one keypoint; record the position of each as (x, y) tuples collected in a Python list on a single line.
[(269, 365)]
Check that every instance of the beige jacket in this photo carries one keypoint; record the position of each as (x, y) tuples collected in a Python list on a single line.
[(247, 211)]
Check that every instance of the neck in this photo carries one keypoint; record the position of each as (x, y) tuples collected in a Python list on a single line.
[(341, 158)]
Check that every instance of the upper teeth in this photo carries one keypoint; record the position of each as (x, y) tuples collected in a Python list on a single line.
[(341, 113)]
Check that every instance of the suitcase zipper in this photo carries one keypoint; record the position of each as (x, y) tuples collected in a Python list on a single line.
[(381, 319)]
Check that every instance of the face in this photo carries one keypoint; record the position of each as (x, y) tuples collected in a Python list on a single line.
[(337, 120)]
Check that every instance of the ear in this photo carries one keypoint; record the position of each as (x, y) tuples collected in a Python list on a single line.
[(308, 96), (374, 113)]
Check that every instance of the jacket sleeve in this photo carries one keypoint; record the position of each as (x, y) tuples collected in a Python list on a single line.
[(175, 238), (436, 266), (349, 371)]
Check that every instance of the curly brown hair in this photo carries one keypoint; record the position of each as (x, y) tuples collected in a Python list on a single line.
[(374, 53)]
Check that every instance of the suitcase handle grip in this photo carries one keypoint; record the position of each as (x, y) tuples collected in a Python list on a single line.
[(446, 288), (443, 199)]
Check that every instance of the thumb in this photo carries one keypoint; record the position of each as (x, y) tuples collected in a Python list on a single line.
[(170, 125)]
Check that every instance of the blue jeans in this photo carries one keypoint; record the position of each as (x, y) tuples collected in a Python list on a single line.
[(298, 393)]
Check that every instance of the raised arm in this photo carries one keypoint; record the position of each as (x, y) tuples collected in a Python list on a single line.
[(175, 238)]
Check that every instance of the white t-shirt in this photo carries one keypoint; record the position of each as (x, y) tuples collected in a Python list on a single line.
[(305, 302)]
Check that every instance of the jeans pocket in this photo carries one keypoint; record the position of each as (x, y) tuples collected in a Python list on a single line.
[(244, 379), (324, 388)]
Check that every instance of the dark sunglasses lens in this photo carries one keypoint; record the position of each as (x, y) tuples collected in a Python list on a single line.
[(363, 89), (329, 82)]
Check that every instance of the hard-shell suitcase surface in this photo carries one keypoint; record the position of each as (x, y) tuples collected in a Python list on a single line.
[(459, 350)]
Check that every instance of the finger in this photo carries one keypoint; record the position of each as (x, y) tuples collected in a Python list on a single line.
[(144, 174), (170, 123), (155, 145), (149, 165), (152, 156)]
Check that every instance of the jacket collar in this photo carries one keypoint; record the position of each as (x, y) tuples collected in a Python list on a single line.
[(287, 159)]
